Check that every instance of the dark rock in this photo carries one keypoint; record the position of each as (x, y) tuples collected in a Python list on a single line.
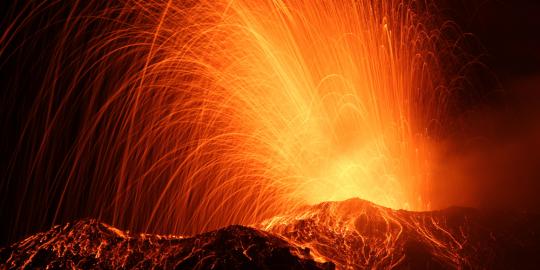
[(90, 244)]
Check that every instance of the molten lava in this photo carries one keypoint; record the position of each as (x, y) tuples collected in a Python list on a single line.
[(201, 114)]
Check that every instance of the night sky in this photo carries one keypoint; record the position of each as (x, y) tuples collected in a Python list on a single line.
[(494, 159)]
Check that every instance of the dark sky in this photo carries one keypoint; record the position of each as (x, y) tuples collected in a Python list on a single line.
[(492, 160)]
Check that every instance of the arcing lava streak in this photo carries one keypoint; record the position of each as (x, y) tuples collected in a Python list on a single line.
[(200, 114)]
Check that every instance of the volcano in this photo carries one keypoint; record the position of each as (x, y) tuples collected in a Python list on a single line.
[(351, 234), (242, 128)]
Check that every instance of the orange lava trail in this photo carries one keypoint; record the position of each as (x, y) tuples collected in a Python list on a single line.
[(356, 234), (199, 114)]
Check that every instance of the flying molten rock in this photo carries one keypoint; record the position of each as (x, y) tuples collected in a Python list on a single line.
[(226, 112)]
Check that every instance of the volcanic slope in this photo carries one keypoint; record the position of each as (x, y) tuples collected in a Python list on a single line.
[(356, 234), (352, 234)]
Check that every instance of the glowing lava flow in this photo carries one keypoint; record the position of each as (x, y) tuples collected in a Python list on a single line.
[(200, 114)]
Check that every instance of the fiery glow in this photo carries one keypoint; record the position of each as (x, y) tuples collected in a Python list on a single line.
[(356, 234), (220, 112)]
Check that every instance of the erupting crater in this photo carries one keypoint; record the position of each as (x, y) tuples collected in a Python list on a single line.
[(247, 126)]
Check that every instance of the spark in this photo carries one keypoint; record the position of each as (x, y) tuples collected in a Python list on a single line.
[(201, 114)]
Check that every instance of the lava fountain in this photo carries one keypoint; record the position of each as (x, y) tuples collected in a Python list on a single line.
[(198, 114)]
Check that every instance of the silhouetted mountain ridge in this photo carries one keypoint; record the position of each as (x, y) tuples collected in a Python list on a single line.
[(352, 234)]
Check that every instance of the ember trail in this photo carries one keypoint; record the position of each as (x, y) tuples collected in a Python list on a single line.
[(202, 114)]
